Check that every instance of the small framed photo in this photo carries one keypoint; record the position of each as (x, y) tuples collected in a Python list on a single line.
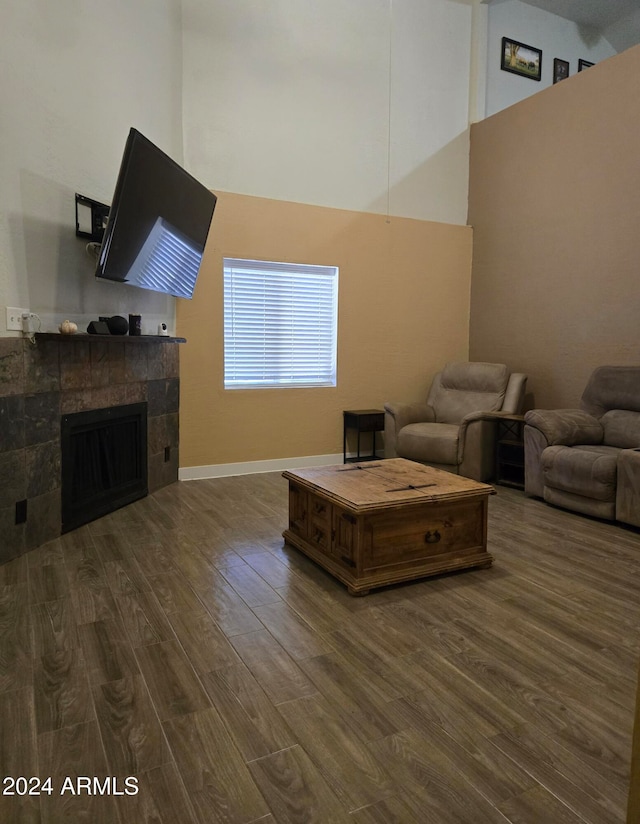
[(560, 69), (584, 64), (521, 59)]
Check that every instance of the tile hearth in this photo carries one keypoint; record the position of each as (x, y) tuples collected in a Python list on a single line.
[(56, 376)]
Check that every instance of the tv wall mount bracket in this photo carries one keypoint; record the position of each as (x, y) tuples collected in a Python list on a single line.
[(91, 218)]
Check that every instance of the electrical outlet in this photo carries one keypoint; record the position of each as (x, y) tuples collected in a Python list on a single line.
[(14, 318)]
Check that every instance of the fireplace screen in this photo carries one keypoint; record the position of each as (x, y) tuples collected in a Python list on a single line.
[(104, 461)]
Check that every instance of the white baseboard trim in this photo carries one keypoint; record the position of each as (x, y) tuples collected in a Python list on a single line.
[(196, 473)]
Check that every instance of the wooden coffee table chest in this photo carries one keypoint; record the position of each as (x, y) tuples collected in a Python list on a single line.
[(382, 522)]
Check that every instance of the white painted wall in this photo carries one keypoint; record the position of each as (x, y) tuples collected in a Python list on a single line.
[(74, 76), (290, 100), (556, 37)]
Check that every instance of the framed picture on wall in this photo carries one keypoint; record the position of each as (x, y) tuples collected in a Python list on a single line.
[(584, 64), (560, 69), (521, 59)]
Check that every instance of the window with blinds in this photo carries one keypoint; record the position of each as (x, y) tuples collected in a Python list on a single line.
[(280, 324)]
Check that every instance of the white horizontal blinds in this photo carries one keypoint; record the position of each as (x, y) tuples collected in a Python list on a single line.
[(280, 324)]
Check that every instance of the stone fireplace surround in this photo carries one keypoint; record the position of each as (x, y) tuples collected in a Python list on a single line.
[(57, 375)]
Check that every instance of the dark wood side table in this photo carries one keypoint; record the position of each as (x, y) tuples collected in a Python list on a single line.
[(510, 450), (362, 420)]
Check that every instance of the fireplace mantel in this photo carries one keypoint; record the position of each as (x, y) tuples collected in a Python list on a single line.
[(84, 337), (58, 375)]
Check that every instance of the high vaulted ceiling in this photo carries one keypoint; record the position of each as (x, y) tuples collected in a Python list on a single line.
[(616, 20)]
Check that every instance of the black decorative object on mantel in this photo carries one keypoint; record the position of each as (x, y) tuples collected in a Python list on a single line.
[(98, 327), (118, 325), (135, 325)]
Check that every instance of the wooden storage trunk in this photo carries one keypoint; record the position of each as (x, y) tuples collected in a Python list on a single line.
[(394, 520)]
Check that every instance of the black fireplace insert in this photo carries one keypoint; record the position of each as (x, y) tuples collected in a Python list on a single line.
[(104, 461)]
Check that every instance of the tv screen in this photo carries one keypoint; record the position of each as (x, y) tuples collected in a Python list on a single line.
[(158, 222)]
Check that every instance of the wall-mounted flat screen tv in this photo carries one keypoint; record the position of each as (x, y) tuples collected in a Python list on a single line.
[(158, 222)]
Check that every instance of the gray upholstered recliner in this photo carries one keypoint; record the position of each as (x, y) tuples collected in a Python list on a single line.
[(454, 430), (588, 459)]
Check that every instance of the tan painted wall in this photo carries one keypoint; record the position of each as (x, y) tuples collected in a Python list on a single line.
[(555, 206), (403, 311)]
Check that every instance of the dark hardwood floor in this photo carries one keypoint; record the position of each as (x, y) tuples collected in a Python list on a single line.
[(179, 642)]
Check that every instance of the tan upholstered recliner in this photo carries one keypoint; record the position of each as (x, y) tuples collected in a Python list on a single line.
[(453, 430), (588, 459)]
